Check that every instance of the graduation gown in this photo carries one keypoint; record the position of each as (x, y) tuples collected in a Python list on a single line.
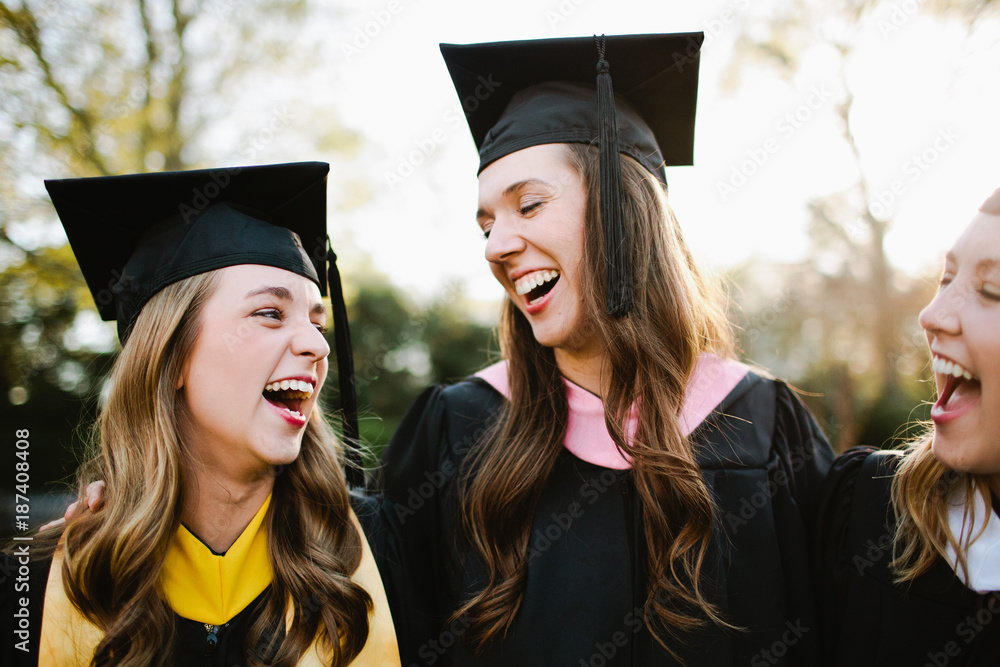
[(933, 621), (762, 457), (216, 599)]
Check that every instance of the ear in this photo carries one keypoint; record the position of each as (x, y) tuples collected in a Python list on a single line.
[(179, 384)]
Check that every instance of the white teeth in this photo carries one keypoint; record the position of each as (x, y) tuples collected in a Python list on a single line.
[(945, 367), (529, 282), (293, 385)]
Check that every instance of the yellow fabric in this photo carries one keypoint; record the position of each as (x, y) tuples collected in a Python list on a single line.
[(381, 649), (69, 639), (204, 587)]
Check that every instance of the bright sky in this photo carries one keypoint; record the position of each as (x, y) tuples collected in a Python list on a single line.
[(925, 118)]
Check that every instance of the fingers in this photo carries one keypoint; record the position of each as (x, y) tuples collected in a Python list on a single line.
[(71, 510), (95, 495), (55, 523)]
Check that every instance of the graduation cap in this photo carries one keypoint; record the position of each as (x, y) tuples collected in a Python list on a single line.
[(526, 93), (135, 234)]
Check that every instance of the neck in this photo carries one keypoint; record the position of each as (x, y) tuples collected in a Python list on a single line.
[(218, 508), (584, 369)]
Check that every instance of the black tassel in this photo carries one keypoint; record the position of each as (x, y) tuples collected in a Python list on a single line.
[(345, 374), (619, 298)]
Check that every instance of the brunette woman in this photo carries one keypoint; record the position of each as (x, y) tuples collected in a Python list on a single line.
[(227, 537), (617, 491), (909, 544)]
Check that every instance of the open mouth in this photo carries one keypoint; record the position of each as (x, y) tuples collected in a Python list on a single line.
[(961, 388), (288, 395), (536, 285)]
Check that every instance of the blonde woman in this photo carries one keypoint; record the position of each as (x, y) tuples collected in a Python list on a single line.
[(227, 536), (909, 544)]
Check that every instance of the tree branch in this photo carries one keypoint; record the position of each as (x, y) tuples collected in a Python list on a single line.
[(26, 28)]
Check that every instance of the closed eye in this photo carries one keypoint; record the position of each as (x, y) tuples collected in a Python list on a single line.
[(525, 210)]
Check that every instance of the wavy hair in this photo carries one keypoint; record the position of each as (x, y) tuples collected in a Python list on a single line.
[(921, 491), (112, 557), (650, 356)]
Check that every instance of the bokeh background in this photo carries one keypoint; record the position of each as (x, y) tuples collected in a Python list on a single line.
[(840, 148)]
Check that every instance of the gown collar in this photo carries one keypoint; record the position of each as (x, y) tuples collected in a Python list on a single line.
[(587, 435), (209, 588), (983, 554)]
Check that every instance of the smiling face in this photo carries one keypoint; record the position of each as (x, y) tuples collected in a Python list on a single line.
[(532, 207), (250, 383), (963, 332)]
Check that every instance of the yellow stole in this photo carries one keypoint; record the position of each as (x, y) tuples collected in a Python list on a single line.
[(202, 586)]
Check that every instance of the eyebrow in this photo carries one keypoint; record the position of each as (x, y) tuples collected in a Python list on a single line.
[(511, 189), (284, 294), (987, 265)]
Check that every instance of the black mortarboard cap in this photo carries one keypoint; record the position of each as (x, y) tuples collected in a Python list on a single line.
[(526, 93), (135, 234)]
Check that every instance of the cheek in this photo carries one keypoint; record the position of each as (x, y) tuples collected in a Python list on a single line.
[(498, 273)]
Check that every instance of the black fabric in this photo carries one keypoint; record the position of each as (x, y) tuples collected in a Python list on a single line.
[(763, 459), (524, 93), (868, 619), (137, 233), (192, 647)]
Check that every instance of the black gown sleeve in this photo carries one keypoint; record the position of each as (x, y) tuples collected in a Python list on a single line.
[(869, 618), (411, 490), (830, 538)]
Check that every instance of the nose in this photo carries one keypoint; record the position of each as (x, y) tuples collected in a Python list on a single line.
[(942, 314), (309, 341), (505, 240)]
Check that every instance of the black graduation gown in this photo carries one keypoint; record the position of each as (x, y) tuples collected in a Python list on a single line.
[(763, 457), (935, 621)]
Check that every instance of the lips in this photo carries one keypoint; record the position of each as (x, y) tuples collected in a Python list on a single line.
[(960, 394), (288, 396)]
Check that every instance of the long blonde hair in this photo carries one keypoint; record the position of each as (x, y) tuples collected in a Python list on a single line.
[(922, 491), (650, 356), (112, 558)]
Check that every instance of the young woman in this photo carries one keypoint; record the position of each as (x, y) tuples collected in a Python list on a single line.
[(617, 491), (227, 537), (909, 542)]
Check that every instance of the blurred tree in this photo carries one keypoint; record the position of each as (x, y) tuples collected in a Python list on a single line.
[(400, 348), (844, 321), (106, 87)]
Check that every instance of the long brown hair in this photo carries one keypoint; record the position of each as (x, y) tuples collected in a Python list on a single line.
[(112, 558), (649, 357), (922, 491)]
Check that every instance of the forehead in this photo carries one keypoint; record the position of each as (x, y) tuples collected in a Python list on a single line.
[(240, 280), (548, 163), (980, 240)]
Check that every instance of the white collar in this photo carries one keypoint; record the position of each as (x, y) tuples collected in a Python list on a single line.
[(983, 554)]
